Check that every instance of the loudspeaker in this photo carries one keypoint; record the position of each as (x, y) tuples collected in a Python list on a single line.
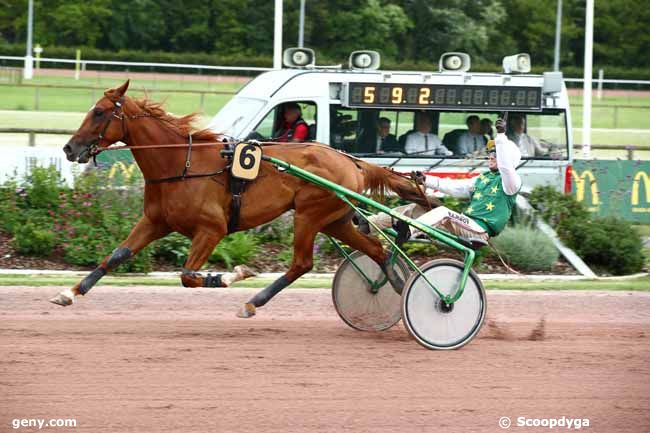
[(298, 57), (517, 63), (460, 62), (367, 60)]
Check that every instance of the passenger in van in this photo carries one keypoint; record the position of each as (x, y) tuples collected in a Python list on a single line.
[(385, 141), (486, 129), (528, 145), (292, 127), (422, 141), (472, 140)]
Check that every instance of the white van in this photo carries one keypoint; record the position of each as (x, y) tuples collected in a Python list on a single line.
[(343, 108)]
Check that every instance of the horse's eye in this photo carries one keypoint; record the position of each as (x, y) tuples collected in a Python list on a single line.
[(98, 112)]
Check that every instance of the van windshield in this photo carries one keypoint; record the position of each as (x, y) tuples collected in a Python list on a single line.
[(235, 115), (440, 134)]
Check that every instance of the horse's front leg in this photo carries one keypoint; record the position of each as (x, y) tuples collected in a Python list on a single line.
[(144, 232), (203, 243)]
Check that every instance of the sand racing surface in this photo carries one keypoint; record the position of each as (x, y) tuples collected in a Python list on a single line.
[(166, 359)]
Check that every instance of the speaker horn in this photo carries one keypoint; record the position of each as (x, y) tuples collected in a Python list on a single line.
[(457, 62), (366, 59), (519, 63), (298, 57)]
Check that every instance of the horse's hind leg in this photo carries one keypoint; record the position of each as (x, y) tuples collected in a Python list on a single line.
[(203, 243), (303, 261), (348, 234), (144, 232)]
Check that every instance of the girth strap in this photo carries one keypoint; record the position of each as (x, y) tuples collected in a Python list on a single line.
[(237, 187)]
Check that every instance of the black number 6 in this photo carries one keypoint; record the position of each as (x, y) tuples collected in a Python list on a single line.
[(246, 159)]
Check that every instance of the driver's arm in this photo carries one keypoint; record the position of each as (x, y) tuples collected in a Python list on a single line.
[(461, 188), (508, 157)]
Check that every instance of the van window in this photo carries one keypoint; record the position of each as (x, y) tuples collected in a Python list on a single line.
[(273, 123), (373, 131), (231, 118)]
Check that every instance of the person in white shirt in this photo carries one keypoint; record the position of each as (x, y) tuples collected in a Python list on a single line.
[(528, 145), (471, 141), (422, 141), (492, 195)]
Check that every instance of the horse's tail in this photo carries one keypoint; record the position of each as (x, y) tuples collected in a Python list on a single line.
[(380, 179)]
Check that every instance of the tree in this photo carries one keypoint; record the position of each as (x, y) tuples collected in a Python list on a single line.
[(78, 23), (137, 24), (454, 25), (340, 27)]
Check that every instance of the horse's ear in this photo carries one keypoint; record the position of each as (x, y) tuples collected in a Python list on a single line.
[(124, 87), (115, 94)]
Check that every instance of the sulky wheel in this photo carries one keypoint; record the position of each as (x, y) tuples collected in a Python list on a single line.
[(355, 301), (434, 324)]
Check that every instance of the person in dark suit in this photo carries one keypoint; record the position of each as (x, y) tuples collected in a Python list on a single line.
[(377, 139), (385, 141)]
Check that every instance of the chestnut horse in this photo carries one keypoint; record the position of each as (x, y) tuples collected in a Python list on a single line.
[(180, 200)]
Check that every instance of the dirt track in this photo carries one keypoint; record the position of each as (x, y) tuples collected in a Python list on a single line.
[(174, 360)]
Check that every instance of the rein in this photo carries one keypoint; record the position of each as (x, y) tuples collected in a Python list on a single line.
[(411, 177)]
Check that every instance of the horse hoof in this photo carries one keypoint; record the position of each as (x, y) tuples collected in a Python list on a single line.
[(62, 300), (247, 311), (244, 271)]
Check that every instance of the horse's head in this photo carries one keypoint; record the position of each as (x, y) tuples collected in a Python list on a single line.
[(102, 126)]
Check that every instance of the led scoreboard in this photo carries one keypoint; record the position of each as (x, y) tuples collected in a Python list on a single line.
[(442, 96)]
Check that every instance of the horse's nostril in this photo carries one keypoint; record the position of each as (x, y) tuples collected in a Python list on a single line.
[(67, 148)]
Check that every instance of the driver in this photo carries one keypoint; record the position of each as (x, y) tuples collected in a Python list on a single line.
[(492, 196), (293, 128)]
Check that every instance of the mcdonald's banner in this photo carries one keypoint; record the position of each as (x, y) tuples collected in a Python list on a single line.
[(614, 188)]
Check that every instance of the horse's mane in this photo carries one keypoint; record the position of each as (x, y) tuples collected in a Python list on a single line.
[(183, 125)]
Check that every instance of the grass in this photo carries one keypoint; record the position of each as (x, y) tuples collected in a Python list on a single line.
[(642, 229), (636, 284), (21, 98)]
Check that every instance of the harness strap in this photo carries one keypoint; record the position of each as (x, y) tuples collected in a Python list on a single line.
[(237, 187), (188, 158)]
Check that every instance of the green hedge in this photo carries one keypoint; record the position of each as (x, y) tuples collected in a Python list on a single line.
[(89, 53), (85, 223), (607, 243)]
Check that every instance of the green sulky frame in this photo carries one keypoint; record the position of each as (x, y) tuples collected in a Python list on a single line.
[(347, 195)]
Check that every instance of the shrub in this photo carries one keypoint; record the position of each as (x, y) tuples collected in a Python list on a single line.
[(235, 249), (280, 230), (526, 248), (285, 256), (421, 249), (43, 186), (173, 248), (29, 239), (610, 243), (555, 206), (10, 196)]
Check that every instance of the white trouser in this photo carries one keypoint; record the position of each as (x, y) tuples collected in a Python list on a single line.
[(440, 217)]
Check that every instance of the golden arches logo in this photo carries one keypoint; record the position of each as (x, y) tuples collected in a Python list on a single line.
[(127, 172), (580, 181), (636, 185)]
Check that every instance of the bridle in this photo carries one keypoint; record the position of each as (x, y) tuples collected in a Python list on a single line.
[(93, 148)]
